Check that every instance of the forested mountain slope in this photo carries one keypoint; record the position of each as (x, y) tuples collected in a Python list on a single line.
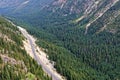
[(81, 36), (15, 64), (13, 7)]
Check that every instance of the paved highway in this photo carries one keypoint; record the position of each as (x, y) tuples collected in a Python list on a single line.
[(40, 62)]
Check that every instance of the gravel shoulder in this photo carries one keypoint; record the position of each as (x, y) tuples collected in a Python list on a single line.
[(41, 57)]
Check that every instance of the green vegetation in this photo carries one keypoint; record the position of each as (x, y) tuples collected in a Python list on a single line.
[(15, 63), (1, 60), (94, 56), (30, 76)]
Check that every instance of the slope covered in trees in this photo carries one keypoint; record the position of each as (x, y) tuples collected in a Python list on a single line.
[(79, 56), (15, 64)]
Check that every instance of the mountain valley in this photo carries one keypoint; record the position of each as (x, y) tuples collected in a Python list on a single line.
[(81, 37)]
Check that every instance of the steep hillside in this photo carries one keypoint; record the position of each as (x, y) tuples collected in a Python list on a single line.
[(81, 36), (15, 64), (8, 6), (18, 7)]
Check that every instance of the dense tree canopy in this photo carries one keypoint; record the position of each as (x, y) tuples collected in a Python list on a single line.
[(15, 63), (79, 56)]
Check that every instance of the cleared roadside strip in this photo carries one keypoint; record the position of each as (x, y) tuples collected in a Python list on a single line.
[(36, 53)]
